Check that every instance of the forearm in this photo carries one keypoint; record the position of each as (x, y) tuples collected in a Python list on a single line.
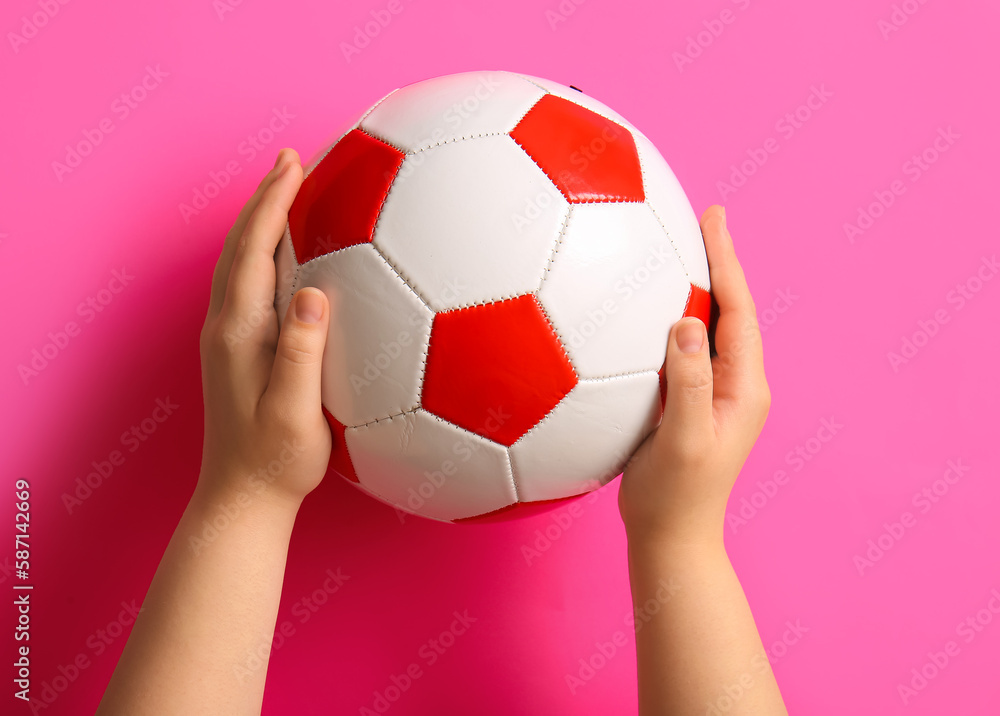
[(703, 639), (211, 605)]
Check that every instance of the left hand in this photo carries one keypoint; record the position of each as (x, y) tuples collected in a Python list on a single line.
[(265, 432)]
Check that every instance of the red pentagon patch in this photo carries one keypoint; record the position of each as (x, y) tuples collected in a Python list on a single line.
[(340, 459), (339, 202), (699, 304), (588, 157), (495, 369)]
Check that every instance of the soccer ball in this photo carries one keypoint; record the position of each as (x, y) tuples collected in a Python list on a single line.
[(505, 257)]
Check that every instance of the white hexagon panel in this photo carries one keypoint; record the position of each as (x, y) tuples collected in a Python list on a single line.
[(461, 235), (672, 208), (636, 289), (602, 420), (421, 463), (444, 109), (378, 335), (505, 257)]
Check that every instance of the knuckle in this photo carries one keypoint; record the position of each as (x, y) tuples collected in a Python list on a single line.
[(696, 386), (295, 350), (223, 339)]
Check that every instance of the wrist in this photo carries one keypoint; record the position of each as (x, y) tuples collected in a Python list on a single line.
[(216, 493), (662, 541)]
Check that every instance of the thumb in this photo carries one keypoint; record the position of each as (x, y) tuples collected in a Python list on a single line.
[(298, 359), (688, 409)]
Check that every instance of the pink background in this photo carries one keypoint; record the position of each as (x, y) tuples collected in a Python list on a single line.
[(832, 311)]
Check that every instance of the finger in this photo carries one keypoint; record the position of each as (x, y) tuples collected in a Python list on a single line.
[(294, 388), (739, 363), (688, 410), (220, 277), (252, 277)]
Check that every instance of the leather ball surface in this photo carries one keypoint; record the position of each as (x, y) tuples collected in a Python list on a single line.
[(505, 257)]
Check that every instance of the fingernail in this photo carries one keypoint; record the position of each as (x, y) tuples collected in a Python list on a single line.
[(691, 336), (724, 219), (277, 159), (308, 306)]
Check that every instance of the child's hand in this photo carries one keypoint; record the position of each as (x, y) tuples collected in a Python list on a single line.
[(265, 432), (678, 482), (214, 598)]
